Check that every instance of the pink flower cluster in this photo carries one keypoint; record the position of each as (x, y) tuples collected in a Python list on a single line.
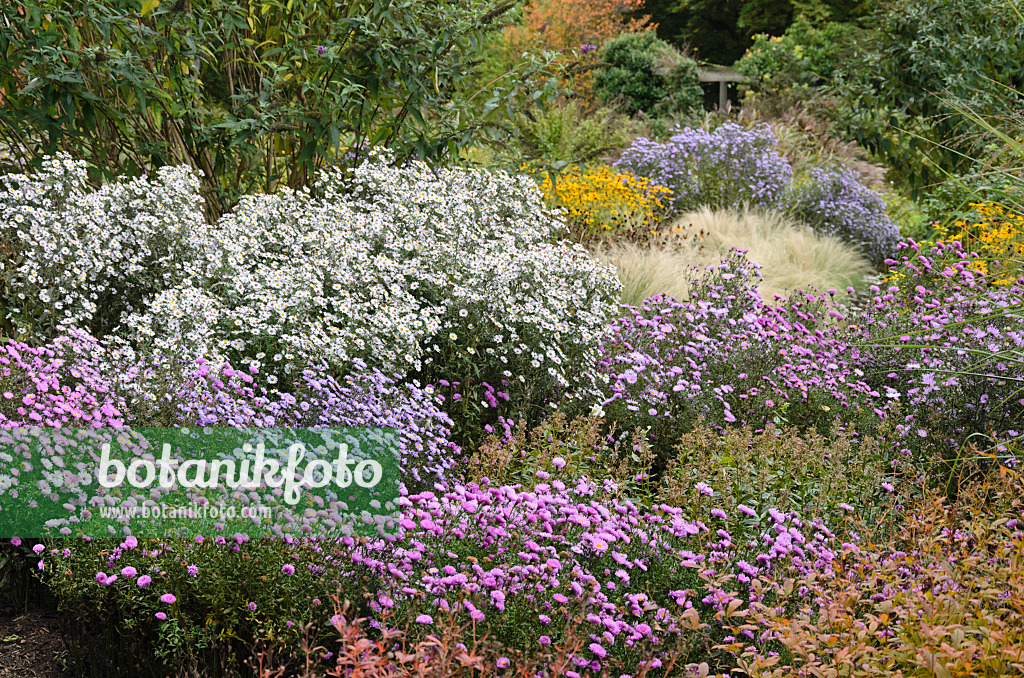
[(506, 558), (64, 383)]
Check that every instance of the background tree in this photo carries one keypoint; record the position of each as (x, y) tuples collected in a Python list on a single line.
[(568, 24), (720, 31), (254, 94)]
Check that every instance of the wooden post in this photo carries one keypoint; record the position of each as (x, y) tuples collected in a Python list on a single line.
[(723, 75)]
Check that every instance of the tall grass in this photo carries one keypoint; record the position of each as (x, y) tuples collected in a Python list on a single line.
[(791, 256)]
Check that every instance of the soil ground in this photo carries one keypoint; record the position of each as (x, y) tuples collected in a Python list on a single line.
[(30, 645)]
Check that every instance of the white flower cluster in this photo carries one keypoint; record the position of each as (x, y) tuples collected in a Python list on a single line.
[(407, 268), (79, 258)]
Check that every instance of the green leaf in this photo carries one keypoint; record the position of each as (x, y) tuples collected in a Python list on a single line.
[(148, 6)]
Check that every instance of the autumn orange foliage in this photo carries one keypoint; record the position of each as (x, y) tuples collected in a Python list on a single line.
[(568, 24)]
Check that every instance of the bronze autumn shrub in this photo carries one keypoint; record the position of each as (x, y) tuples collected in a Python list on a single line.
[(945, 599), (568, 24)]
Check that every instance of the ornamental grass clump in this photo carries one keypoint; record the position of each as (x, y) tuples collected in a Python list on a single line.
[(721, 169), (791, 256)]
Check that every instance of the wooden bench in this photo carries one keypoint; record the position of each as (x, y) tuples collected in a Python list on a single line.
[(723, 75)]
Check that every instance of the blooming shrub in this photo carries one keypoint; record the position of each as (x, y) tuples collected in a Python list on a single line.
[(753, 475), (370, 398), (430, 276), (73, 257), (77, 381), (183, 595), (527, 568), (947, 346), (834, 202), (64, 383), (724, 355), (997, 235), (724, 168), (444, 275), (600, 199), (942, 346)]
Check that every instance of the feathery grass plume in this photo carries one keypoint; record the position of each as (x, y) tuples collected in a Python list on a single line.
[(791, 255)]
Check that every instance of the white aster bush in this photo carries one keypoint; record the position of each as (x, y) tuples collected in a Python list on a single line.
[(448, 274), (74, 257)]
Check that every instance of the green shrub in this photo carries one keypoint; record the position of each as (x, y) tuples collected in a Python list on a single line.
[(784, 469), (228, 598), (649, 74), (785, 70), (565, 134), (255, 98), (894, 102), (585, 445)]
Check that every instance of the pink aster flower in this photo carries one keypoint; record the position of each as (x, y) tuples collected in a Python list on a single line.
[(424, 619), (168, 598), (144, 581), (161, 616)]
